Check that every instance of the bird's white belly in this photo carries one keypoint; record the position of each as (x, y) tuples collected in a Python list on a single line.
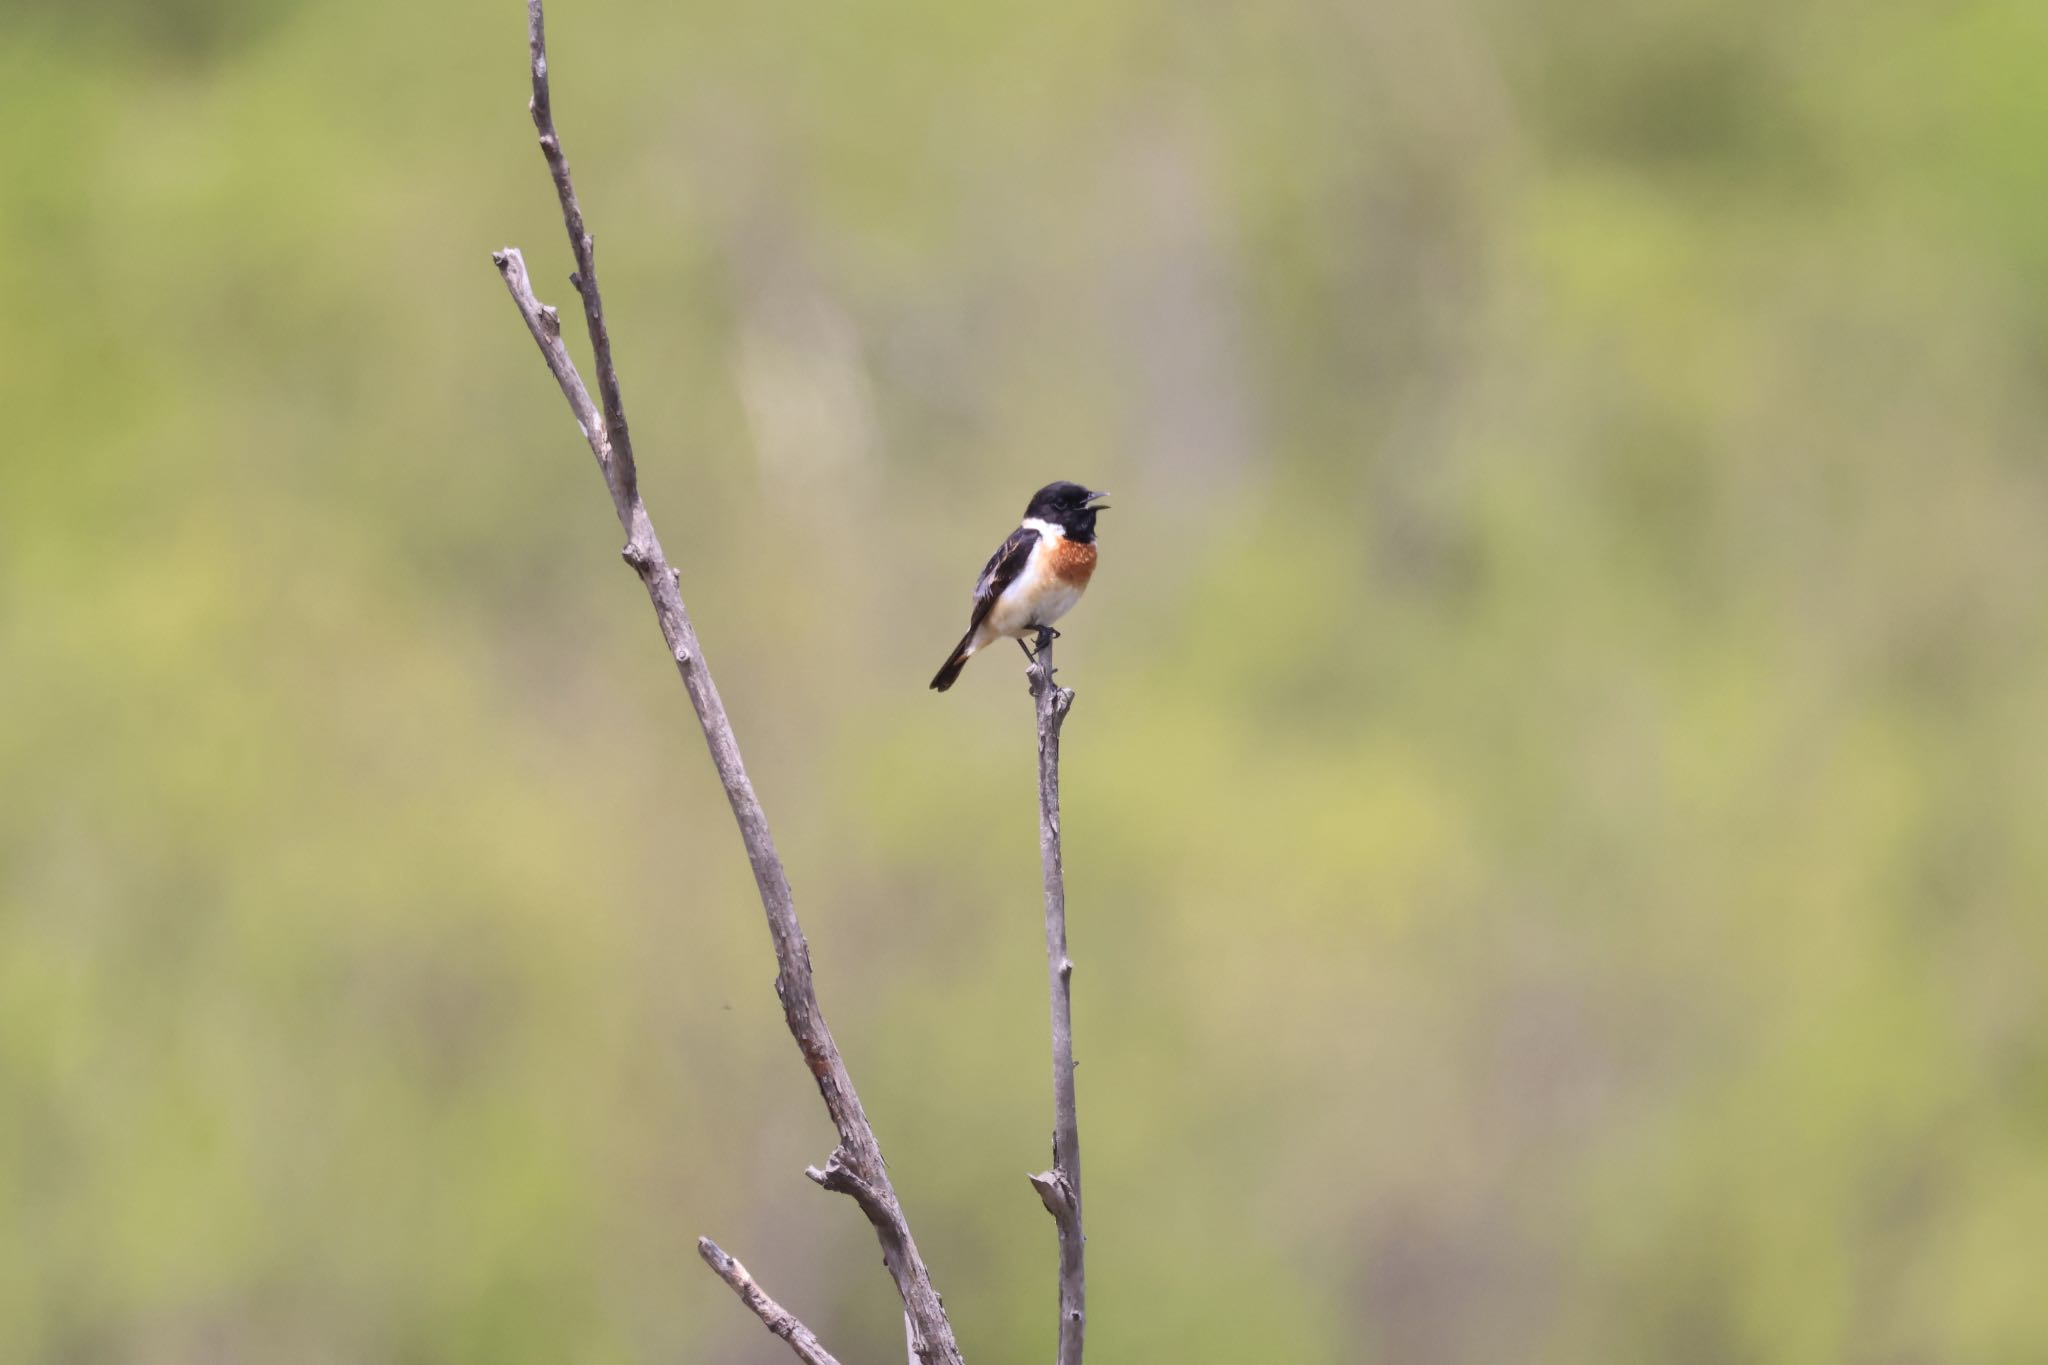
[(1036, 599)]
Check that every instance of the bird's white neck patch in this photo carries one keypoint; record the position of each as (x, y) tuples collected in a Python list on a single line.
[(1051, 530)]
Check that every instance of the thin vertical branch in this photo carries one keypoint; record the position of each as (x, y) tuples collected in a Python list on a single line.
[(1060, 1187), (855, 1167), (624, 481)]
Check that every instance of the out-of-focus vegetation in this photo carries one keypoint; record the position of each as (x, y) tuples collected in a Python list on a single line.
[(1555, 807)]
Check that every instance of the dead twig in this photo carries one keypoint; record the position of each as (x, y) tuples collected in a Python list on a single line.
[(1060, 1187), (773, 1315), (856, 1166)]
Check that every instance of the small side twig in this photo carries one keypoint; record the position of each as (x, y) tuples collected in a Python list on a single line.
[(773, 1315), (1060, 1187), (856, 1166)]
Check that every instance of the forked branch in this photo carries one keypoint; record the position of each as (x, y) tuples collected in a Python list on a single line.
[(856, 1166)]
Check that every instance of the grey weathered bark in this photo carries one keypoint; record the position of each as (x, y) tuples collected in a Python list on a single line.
[(855, 1167), (773, 1315), (1059, 1187)]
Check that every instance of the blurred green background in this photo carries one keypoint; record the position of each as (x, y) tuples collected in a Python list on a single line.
[(1555, 804)]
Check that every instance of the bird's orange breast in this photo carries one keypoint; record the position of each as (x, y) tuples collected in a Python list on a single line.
[(1073, 563)]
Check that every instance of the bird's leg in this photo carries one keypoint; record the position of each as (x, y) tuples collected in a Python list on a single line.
[(1046, 634)]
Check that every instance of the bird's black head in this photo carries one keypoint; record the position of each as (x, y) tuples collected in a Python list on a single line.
[(1068, 506)]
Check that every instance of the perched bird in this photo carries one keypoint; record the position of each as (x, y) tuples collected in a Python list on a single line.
[(1035, 577)]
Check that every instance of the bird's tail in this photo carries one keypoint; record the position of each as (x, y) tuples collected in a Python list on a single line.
[(955, 661)]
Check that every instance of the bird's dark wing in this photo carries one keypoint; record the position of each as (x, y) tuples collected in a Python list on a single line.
[(1001, 571)]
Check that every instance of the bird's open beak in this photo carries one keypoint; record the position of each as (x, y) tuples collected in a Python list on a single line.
[(1092, 504)]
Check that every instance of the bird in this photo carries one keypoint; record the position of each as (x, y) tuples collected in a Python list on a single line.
[(1035, 577)]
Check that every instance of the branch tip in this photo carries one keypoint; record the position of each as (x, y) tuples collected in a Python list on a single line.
[(773, 1315)]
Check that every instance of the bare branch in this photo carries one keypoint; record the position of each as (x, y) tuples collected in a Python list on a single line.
[(858, 1158), (546, 325), (773, 1315), (623, 481), (1060, 1187)]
